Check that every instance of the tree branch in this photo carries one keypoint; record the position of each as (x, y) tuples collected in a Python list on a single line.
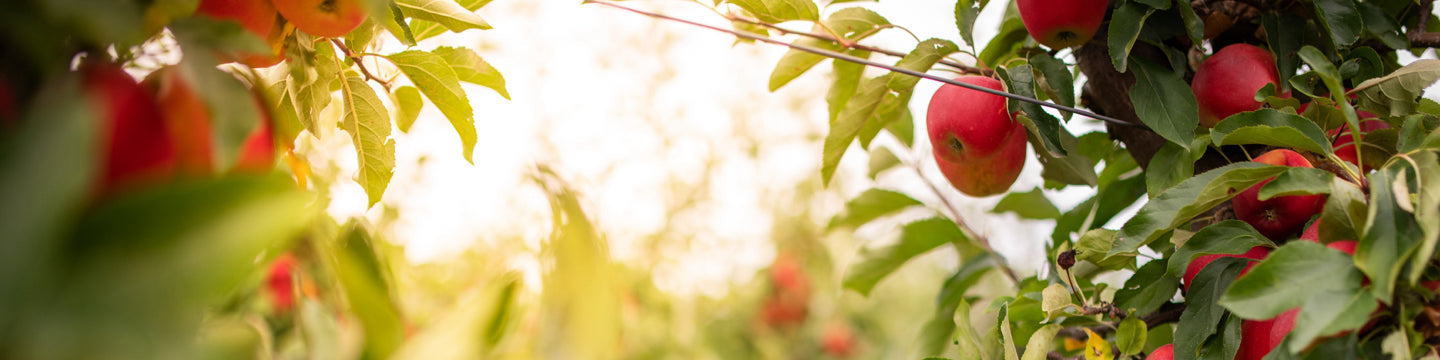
[(1168, 313), (1417, 34), (346, 50), (854, 45)]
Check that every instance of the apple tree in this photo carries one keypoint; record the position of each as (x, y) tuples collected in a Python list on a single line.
[(1288, 166)]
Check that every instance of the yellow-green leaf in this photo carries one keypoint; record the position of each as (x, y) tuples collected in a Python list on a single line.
[(434, 77), (367, 121)]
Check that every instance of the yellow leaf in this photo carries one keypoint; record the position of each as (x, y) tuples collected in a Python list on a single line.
[(1072, 344), (1096, 348)]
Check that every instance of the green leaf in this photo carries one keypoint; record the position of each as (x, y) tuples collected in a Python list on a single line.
[(881, 159), (1056, 302), (859, 110), (1011, 37), (580, 286), (368, 123), (1170, 165), (1345, 210), (778, 11), (1290, 275), (1389, 238), (1125, 24), (1040, 342), (916, 238), (796, 62), (1164, 102), (1130, 336), (1395, 94), (1194, 27), (1202, 314), (966, 12), (364, 277), (1190, 198), (1147, 289), (1321, 66), (470, 67), (855, 23), (1226, 344), (1298, 181), (871, 205), (1382, 26), (847, 79), (1427, 211), (447, 13), (434, 77), (407, 106), (925, 55), (1058, 81), (1109, 200), (1225, 237), (1271, 127), (395, 23), (1341, 20), (1095, 244), (1028, 205), (1329, 313), (951, 302), (1021, 81), (422, 29), (1283, 43)]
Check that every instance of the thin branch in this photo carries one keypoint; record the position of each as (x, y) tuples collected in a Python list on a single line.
[(1417, 34), (965, 228), (965, 69), (1168, 313), (857, 60), (359, 64)]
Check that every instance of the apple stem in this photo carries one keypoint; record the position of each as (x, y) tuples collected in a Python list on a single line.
[(858, 60), (360, 64)]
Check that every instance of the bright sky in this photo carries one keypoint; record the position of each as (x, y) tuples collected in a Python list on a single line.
[(626, 108)]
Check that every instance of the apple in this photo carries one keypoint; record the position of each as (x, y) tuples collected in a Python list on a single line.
[(1279, 216), (1346, 246), (1062, 24), (1166, 352), (1225, 84), (136, 148), (327, 18), (838, 341), (188, 120), (257, 154), (976, 143), (255, 16), (1345, 148), (1312, 233), (788, 303), (280, 282), (1255, 253)]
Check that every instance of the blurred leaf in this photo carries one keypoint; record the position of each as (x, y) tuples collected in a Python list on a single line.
[(1427, 211), (1329, 313), (1290, 275), (1341, 20), (434, 77), (447, 13), (1164, 102), (796, 62), (407, 106), (1096, 348), (470, 67), (1148, 288), (881, 159), (1040, 342), (1188, 199), (871, 205), (1225, 237), (847, 79), (1125, 25), (367, 121), (1028, 205), (1007, 336), (365, 279), (1390, 236), (1095, 244), (484, 315), (853, 23), (916, 238), (392, 19), (1298, 181), (1274, 128), (1202, 315), (1130, 336), (580, 303), (950, 303), (858, 111), (1111, 198), (232, 118), (1169, 166), (102, 22), (321, 329), (1194, 26), (1395, 94)]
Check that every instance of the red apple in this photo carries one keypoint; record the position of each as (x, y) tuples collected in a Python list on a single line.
[(838, 341), (256, 16), (1255, 253), (136, 148), (257, 154), (281, 282), (1312, 233), (1279, 216), (327, 18), (976, 143), (1346, 246), (188, 120), (1166, 352), (1225, 84), (1062, 24), (1345, 143)]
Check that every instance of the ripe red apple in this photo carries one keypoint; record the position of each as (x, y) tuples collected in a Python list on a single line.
[(1345, 143), (327, 18), (1225, 84), (1255, 253), (788, 303), (257, 154), (1166, 352), (188, 120), (136, 148), (280, 282), (1346, 246), (976, 143), (1312, 233), (1062, 24), (838, 341), (256, 16), (1279, 216)]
